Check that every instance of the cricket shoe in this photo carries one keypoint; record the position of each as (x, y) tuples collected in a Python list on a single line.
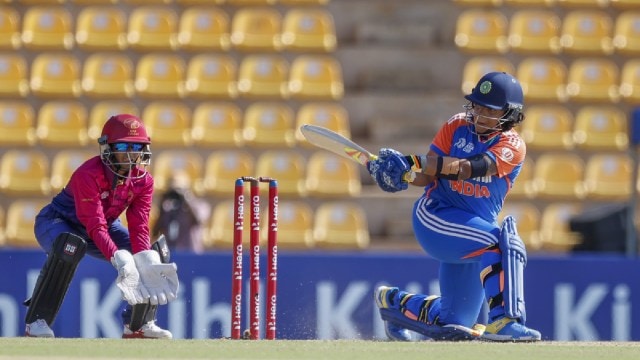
[(383, 296), (40, 329), (148, 331), (510, 330)]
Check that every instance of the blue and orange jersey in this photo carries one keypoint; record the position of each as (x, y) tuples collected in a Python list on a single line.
[(95, 197), (483, 196)]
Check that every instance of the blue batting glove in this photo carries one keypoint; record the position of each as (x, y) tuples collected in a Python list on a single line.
[(388, 170)]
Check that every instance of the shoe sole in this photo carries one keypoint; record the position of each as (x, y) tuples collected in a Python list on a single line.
[(435, 332)]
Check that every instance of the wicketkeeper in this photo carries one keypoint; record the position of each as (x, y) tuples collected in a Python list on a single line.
[(470, 167), (83, 219)]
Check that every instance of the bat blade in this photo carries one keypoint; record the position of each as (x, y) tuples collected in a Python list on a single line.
[(336, 143)]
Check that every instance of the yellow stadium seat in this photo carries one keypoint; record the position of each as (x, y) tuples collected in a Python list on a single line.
[(152, 29), (608, 177), (212, 76), (103, 110), (548, 127), (47, 28), (587, 32), (160, 76), (256, 29), (286, 166), (37, 2), (530, 3), (10, 31), (263, 76), (329, 175), (308, 30), (204, 29), (341, 226), (24, 173), (55, 75), (65, 162), (240, 3), (20, 219), (302, 2), (93, 2), (593, 80), (622, 4), (168, 163), (543, 79), (62, 124), (478, 3), (582, 3), (316, 77), (295, 225), (630, 82), (482, 31), (108, 75), (527, 217), (555, 234), (534, 31), (101, 28), (559, 176), (217, 125), (13, 76), (522, 188), (601, 128), (332, 116), (269, 124), (146, 2), (478, 66), (187, 3), (626, 36), (168, 123), (17, 120), (222, 168)]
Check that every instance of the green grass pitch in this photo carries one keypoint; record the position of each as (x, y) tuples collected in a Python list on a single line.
[(28, 348)]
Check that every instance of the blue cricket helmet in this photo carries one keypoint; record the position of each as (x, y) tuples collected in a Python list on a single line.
[(500, 91)]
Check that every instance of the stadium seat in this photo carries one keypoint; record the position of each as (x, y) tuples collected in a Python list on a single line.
[(621, 4), (65, 162), (211, 76), (101, 28), (146, 2), (478, 3), (103, 110), (13, 76), (558, 176), (17, 120), (308, 30), (222, 169), (93, 2), (295, 225), (10, 32), (108, 75), (256, 29), (555, 234), (534, 31), (527, 218), (330, 175), (152, 29), (170, 162), (62, 123), (522, 189), (608, 177), (24, 173), (582, 4), (543, 79), (530, 3), (479, 65), (316, 77), (263, 76), (587, 32), (332, 116), (47, 28), (268, 125), (593, 80), (286, 166), (482, 31), (626, 36), (601, 128), (548, 127), (187, 3), (204, 29), (241, 3), (168, 123), (55, 75), (20, 218), (217, 125), (630, 82), (220, 234), (341, 226), (302, 2), (160, 76)]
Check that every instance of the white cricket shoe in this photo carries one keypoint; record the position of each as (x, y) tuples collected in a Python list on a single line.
[(148, 331), (39, 328)]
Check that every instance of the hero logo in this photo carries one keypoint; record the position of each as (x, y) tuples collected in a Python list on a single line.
[(70, 249)]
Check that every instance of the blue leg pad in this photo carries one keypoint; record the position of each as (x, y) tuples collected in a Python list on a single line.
[(435, 332)]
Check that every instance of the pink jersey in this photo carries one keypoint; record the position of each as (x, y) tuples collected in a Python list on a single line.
[(95, 197)]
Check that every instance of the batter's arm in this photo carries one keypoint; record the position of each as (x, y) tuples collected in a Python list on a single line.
[(431, 166)]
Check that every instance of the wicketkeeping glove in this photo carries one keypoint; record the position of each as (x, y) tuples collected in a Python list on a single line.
[(128, 280), (389, 170), (160, 280)]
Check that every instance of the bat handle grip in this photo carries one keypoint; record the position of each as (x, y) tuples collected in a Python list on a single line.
[(409, 176)]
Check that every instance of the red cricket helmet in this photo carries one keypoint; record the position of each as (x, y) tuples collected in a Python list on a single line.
[(124, 128)]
